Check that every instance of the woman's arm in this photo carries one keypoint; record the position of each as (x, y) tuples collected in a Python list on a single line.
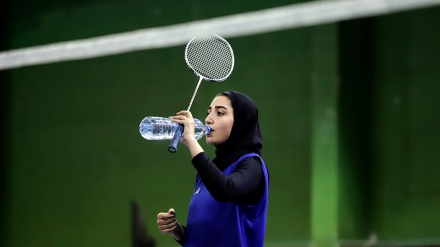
[(244, 183)]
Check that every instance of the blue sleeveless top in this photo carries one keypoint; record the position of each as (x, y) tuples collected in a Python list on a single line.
[(226, 224)]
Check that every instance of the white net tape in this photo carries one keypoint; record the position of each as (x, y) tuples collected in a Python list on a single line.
[(258, 22), (210, 57)]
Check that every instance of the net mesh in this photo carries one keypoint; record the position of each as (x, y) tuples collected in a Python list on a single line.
[(210, 57)]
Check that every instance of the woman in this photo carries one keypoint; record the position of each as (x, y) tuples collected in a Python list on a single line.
[(229, 202)]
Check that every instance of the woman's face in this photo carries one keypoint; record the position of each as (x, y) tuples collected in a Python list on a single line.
[(220, 118)]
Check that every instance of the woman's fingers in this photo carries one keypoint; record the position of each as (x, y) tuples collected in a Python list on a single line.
[(184, 113), (165, 227), (166, 222), (185, 118)]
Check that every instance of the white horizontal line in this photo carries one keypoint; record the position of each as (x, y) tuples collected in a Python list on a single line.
[(251, 23)]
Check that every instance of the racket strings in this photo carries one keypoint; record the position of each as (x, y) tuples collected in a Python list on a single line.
[(210, 57)]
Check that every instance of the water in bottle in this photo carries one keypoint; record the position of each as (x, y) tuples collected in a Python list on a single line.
[(160, 128)]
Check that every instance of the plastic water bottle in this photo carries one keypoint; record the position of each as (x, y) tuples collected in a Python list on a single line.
[(160, 128)]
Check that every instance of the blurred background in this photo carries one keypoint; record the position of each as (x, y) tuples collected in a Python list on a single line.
[(349, 113)]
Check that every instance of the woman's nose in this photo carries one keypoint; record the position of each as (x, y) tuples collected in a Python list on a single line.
[(208, 120)]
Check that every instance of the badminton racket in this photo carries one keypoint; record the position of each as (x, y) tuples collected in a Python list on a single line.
[(211, 58)]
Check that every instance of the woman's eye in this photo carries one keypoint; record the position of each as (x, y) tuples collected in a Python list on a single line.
[(220, 113)]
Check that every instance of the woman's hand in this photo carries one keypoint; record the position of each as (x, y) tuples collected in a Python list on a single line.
[(167, 224), (186, 119), (188, 138)]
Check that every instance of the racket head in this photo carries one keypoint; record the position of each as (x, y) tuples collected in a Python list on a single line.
[(210, 57)]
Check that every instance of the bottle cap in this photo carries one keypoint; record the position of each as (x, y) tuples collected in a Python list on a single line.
[(207, 130)]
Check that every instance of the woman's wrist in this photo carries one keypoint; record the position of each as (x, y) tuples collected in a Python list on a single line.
[(194, 147), (178, 233)]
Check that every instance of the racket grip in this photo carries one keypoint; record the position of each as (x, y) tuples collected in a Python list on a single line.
[(176, 139)]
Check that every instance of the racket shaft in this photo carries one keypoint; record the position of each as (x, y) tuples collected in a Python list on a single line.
[(194, 94)]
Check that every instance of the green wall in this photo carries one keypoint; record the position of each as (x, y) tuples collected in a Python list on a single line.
[(73, 159), (406, 127), (390, 143)]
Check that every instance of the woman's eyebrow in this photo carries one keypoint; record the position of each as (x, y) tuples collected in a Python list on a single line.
[(218, 107)]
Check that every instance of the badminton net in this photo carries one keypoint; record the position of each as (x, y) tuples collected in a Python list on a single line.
[(238, 25)]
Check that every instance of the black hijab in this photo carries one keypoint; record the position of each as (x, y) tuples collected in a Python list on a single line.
[(245, 135)]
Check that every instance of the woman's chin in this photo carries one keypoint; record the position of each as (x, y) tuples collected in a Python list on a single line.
[(209, 141)]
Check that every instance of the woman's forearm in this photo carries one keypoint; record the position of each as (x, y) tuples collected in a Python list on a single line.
[(194, 147)]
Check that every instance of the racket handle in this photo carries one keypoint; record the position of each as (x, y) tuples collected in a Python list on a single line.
[(176, 139)]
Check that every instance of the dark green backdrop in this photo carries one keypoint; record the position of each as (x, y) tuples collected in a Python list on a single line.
[(349, 115)]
